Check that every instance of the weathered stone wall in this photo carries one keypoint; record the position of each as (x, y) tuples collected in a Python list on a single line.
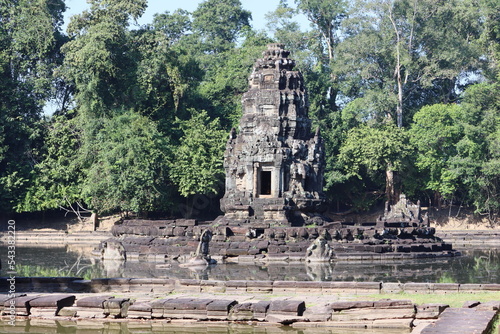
[(263, 242)]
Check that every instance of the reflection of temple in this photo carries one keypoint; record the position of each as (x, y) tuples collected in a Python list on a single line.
[(274, 164)]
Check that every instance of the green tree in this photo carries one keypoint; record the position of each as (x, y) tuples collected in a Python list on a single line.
[(197, 164), (434, 133), (99, 60), (326, 16), (29, 42), (57, 179), (219, 23), (378, 153), (409, 53), (476, 166), (129, 171), (458, 149)]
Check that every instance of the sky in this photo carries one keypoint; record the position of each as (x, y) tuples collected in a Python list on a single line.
[(258, 8)]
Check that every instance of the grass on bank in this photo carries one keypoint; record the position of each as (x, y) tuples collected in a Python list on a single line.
[(452, 299)]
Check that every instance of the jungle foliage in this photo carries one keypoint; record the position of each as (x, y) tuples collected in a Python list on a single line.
[(405, 93)]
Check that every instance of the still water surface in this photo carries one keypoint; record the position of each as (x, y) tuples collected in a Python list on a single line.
[(475, 266), (93, 327)]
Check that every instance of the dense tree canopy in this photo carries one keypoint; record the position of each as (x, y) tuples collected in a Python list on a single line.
[(405, 93)]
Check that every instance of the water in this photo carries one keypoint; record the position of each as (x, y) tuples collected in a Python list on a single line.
[(475, 266), (102, 327)]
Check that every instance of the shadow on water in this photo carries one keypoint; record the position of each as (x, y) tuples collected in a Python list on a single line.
[(475, 266), (101, 327)]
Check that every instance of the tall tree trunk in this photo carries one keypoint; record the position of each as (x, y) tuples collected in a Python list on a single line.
[(397, 70), (392, 185)]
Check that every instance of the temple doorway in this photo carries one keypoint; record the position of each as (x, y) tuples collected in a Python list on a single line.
[(265, 183)]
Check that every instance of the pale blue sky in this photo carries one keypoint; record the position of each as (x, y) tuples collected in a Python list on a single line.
[(258, 8)]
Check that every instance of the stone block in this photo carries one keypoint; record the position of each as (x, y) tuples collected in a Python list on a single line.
[(5, 300), (392, 287), (70, 312), (298, 257), (294, 307), (212, 286), (92, 301), (491, 287), (356, 314), (368, 287), (236, 252), (55, 302), (471, 304), (318, 313), (339, 287), (43, 312), (221, 305), (116, 307), (283, 287), (444, 288), (179, 231), (242, 312), (188, 285), (260, 309), (489, 306), (470, 288), (239, 230), (84, 312), (345, 305), (175, 304), (195, 305), (284, 319), (357, 324), (277, 257), (417, 288), (220, 309), (186, 222), (393, 323), (157, 307), (260, 286), (308, 286), (430, 311), (393, 303), (262, 245), (21, 303)]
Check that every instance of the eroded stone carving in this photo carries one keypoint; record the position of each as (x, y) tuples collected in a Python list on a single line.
[(319, 250), (404, 213), (201, 257), (274, 164)]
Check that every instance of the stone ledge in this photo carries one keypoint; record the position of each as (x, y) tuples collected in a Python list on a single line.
[(75, 284)]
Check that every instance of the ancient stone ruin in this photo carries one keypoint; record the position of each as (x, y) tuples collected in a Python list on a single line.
[(274, 164), (273, 198)]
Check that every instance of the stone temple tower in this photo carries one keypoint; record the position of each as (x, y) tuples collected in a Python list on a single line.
[(274, 164)]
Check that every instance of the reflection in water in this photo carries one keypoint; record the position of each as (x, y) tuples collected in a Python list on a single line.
[(101, 327), (113, 268), (319, 271), (475, 266)]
